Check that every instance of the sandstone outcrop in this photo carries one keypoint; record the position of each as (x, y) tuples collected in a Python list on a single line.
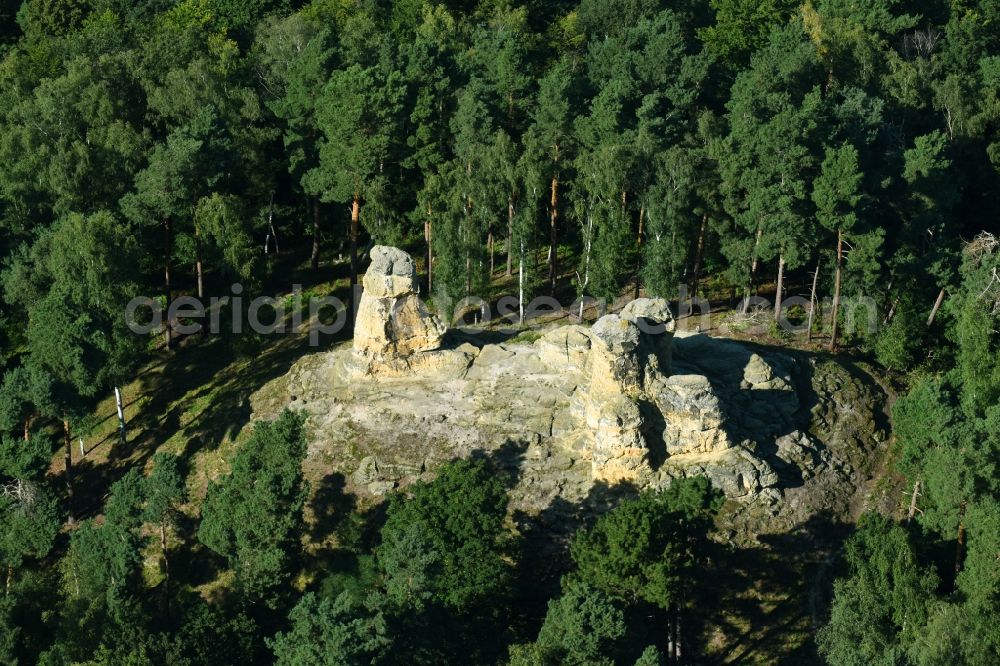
[(578, 413), (391, 320)]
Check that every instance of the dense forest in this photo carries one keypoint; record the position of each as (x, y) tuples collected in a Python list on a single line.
[(591, 148)]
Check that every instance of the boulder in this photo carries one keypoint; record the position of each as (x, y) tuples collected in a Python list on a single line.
[(692, 414), (614, 365), (610, 408), (652, 314), (392, 321), (565, 348), (392, 273), (656, 324), (619, 450)]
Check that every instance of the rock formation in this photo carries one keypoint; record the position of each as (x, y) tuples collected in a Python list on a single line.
[(577, 410), (391, 319)]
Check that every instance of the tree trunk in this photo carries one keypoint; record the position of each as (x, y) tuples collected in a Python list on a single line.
[(891, 313), (68, 458), (836, 290), (937, 306), (510, 236), (638, 248), (520, 285), (489, 244), (753, 269), (10, 578), (270, 226), (166, 567), (27, 429), (468, 273), (168, 236), (163, 548), (355, 223), (119, 404), (466, 234), (960, 540), (677, 634), (430, 254), (913, 501), (199, 275), (812, 303), (670, 637), (586, 261), (781, 285), (553, 233), (314, 257), (699, 248)]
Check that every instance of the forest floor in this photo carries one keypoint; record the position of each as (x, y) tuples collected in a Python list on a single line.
[(194, 402)]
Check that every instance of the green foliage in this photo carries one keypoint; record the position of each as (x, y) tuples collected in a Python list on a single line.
[(295, 59), (211, 634), (637, 562), (9, 631), (949, 450), (25, 392), (253, 515), (922, 419), (899, 345), (977, 315), (979, 583), (101, 572), (741, 26), (163, 489), (31, 521), (220, 219), (330, 632), (651, 657), (25, 459), (836, 190), (358, 114), (583, 626), (446, 542), (775, 109), (77, 280), (647, 548), (880, 608), (644, 145), (30, 513)]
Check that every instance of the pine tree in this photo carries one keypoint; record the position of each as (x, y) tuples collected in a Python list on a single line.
[(646, 550), (31, 516), (550, 147), (775, 113), (359, 115), (295, 58), (583, 626), (431, 70), (879, 610), (839, 203), (446, 542), (330, 632), (253, 515), (164, 491)]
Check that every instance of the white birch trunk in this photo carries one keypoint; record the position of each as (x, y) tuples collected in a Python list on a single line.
[(120, 404), (586, 262), (520, 285)]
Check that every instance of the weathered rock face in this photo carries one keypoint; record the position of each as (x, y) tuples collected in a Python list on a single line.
[(392, 320), (579, 412), (652, 317)]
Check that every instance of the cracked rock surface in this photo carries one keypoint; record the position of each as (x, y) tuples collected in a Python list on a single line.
[(585, 413)]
